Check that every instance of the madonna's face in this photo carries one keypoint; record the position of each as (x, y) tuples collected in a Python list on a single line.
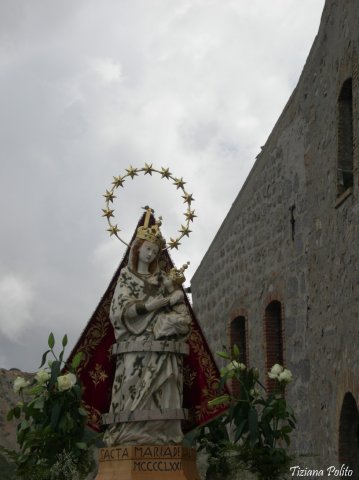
[(148, 252)]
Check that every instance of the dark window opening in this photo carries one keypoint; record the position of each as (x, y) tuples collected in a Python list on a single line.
[(274, 340), (238, 337), (345, 137), (348, 434)]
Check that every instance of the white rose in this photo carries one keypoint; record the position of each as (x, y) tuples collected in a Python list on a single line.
[(65, 382), (235, 365), (275, 371), (19, 384), (286, 376), (42, 376)]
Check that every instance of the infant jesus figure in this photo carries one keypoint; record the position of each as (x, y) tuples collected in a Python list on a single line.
[(174, 320)]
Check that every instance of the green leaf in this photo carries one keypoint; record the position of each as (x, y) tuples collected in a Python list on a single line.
[(43, 360), (266, 412), (222, 399), (10, 415), (81, 445), (55, 372), (291, 423), (236, 350), (82, 412), (39, 403), (64, 341), (51, 341), (222, 383), (240, 430), (76, 360), (55, 415), (17, 412), (286, 429), (36, 390), (287, 439), (253, 425), (24, 425), (223, 355), (76, 390), (267, 432)]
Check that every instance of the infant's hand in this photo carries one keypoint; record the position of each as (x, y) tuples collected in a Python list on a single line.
[(176, 297), (156, 303)]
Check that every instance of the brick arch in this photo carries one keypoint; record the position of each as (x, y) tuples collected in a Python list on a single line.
[(274, 337), (345, 155), (238, 334), (349, 433), (346, 382), (349, 69)]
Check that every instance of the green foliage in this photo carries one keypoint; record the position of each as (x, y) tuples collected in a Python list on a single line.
[(260, 424), (7, 468), (214, 438), (52, 422)]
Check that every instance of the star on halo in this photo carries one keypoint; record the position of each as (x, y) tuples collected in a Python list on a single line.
[(185, 230), (188, 198), (165, 172), (109, 195), (148, 169), (174, 243), (113, 230), (190, 215), (179, 183), (118, 181), (107, 212), (132, 172)]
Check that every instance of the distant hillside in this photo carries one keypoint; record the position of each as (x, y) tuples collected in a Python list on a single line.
[(8, 429)]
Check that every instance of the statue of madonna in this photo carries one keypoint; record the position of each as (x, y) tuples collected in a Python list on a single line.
[(151, 324)]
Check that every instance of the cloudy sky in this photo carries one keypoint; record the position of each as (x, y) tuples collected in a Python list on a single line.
[(88, 88)]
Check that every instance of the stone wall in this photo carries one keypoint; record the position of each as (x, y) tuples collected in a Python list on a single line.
[(257, 257), (8, 399)]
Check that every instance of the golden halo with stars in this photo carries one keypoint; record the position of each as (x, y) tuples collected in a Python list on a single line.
[(148, 169)]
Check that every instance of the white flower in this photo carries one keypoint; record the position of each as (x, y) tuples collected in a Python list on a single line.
[(42, 376), (65, 382), (285, 376), (236, 365), (254, 392), (19, 384), (275, 371)]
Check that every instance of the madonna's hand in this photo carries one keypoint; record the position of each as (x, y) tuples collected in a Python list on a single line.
[(156, 303)]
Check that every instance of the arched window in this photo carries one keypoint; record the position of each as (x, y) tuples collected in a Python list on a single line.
[(349, 433), (345, 137), (238, 337), (274, 339)]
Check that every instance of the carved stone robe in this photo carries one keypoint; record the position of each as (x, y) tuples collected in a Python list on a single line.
[(146, 404)]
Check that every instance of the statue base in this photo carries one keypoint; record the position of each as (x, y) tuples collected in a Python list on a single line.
[(147, 462)]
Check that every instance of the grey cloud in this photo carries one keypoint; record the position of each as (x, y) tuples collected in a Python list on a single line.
[(199, 89)]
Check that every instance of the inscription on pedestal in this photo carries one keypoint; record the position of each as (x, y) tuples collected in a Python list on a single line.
[(138, 462), (115, 453), (157, 466)]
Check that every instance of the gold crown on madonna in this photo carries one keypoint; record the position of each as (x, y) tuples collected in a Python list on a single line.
[(177, 274), (151, 233)]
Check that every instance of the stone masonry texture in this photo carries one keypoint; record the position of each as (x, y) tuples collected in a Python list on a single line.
[(314, 271)]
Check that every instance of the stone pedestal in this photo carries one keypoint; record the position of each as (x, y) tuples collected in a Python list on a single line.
[(147, 462)]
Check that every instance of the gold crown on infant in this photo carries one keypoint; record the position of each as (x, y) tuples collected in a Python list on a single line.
[(151, 233), (177, 274)]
